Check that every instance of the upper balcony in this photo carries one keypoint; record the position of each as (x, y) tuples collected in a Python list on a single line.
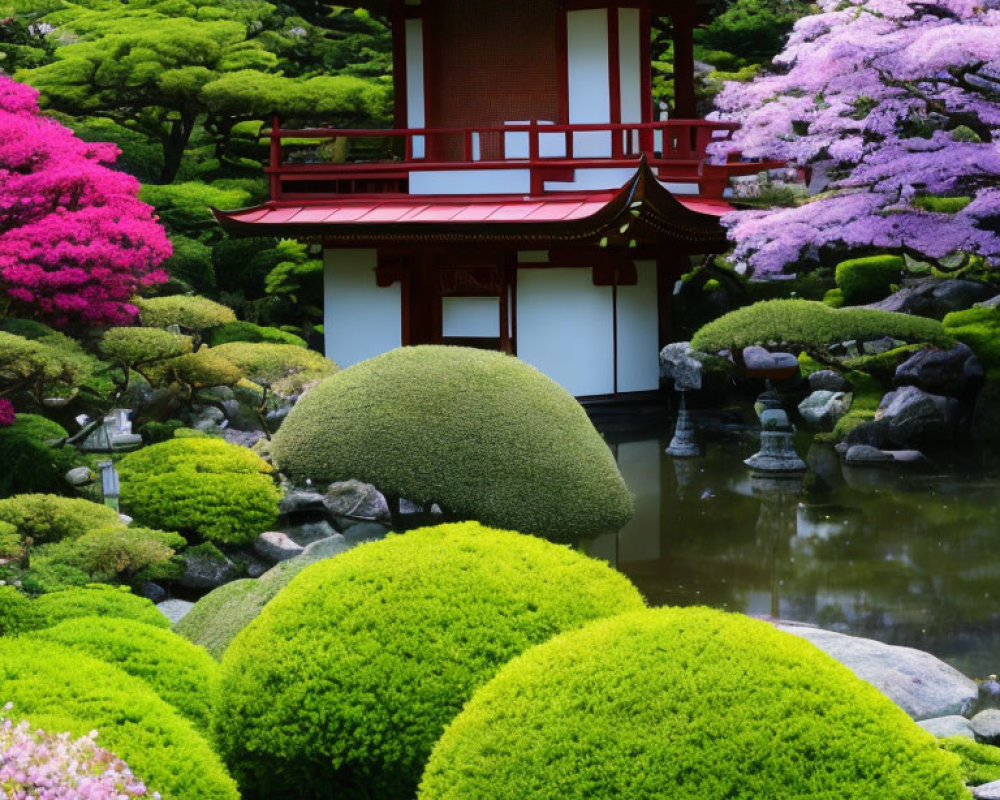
[(529, 158)]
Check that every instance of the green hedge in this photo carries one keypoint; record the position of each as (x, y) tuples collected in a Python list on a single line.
[(181, 673), (60, 689), (684, 703), (200, 486), (866, 280), (484, 435), (16, 612), (112, 554), (50, 518), (94, 601), (811, 326), (188, 311), (248, 332), (343, 683), (286, 368)]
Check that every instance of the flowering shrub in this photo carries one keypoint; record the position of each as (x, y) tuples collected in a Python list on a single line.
[(7, 415), (36, 764), (896, 101), (75, 241)]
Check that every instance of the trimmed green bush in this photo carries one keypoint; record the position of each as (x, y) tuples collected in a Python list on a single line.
[(811, 326), (188, 311), (285, 368), (248, 332), (62, 689), (179, 672), (200, 486), (117, 553), (30, 464), (50, 518), (980, 763), (684, 703), (133, 347), (10, 541), (343, 683), (95, 600), (866, 280), (198, 370), (484, 435), (16, 613)]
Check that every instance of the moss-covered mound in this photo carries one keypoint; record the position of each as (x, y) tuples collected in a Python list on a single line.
[(200, 486), (95, 601), (343, 683), (285, 368), (979, 328), (865, 280), (685, 704), (179, 672), (811, 326), (482, 434), (60, 689)]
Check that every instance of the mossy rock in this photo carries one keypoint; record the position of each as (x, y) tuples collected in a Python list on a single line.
[(866, 280), (812, 326), (61, 689), (483, 435), (343, 683), (181, 673), (97, 600), (202, 487), (979, 328), (684, 703)]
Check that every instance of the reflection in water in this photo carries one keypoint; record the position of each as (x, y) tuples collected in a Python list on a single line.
[(905, 558)]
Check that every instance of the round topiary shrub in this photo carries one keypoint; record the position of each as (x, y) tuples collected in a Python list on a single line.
[(181, 673), (248, 332), (343, 683), (200, 486), (15, 612), (866, 280), (60, 689), (188, 311), (50, 518), (95, 601), (690, 704), (483, 435), (285, 368)]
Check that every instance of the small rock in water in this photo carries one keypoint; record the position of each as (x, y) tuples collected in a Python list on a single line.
[(174, 609), (276, 546), (80, 476), (986, 726), (153, 591), (945, 727), (866, 454), (988, 791)]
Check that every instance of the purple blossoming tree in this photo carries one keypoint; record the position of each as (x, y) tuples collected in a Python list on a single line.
[(897, 103)]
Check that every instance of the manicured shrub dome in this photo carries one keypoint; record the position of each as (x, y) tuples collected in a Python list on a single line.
[(59, 689), (343, 683), (95, 601), (480, 433), (181, 673), (684, 704)]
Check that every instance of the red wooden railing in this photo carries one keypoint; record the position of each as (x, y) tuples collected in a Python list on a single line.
[(381, 161)]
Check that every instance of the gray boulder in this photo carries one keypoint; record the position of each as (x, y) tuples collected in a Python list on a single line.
[(678, 365), (365, 532), (350, 502), (866, 454), (823, 408), (915, 416), (242, 438), (174, 609), (953, 372), (988, 791), (760, 361), (935, 297), (80, 476), (306, 533), (828, 380), (922, 685), (298, 502), (884, 344), (945, 727), (206, 570), (276, 546), (152, 591), (326, 548), (986, 726)]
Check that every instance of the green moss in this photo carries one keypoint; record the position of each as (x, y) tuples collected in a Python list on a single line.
[(882, 366), (95, 601), (202, 487), (214, 621), (181, 673), (188, 311), (834, 298), (942, 205), (684, 703), (344, 682), (248, 332), (979, 328), (50, 518), (286, 368), (482, 434), (61, 689), (865, 280), (980, 763), (811, 326)]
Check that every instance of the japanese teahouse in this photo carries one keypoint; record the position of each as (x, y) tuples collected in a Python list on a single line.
[(530, 197)]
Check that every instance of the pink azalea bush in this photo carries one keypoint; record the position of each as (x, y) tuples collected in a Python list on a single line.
[(7, 415), (75, 242), (38, 765), (894, 101)]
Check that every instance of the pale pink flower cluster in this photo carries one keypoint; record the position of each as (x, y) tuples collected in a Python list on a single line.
[(37, 765), (7, 414), (877, 93), (75, 241)]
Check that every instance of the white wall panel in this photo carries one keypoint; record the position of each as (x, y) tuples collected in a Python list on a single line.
[(471, 181), (415, 81), (361, 320), (470, 316), (589, 90), (638, 332), (564, 328), (630, 69)]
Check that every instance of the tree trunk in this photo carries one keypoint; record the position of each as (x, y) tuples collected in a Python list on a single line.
[(174, 145)]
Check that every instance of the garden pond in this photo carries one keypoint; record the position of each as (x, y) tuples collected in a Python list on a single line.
[(904, 555)]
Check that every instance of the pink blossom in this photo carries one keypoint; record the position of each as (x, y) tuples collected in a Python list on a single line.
[(7, 415)]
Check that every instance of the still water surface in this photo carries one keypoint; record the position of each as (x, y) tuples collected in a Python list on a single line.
[(907, 557)]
